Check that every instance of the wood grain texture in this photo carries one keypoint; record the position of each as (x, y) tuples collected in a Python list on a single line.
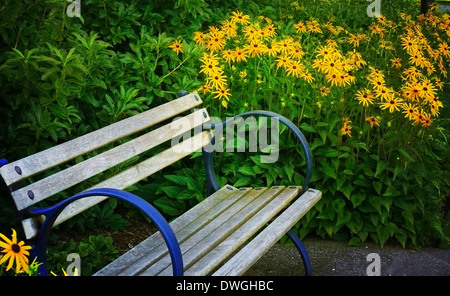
[(90, 167), (51, 157), (248, 255), (135, 174)]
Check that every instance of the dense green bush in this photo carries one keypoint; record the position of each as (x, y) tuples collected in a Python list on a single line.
[(62, 77)]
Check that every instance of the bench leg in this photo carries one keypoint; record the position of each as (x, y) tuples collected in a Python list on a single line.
[(51, 213), (306, 262)]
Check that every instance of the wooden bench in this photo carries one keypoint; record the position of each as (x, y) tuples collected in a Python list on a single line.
[(225, 234)]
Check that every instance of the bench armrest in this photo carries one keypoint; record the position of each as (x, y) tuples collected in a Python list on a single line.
[(212, 183), (51, 213)]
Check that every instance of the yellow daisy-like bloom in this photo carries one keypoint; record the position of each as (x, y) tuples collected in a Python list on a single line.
[(222, 93), (307, 76), (283, 61), (218, 81), (15, 252), (272, 50), (200, 38), (385, 93), (216, 41), (269, 31), (373, 121), (346, 130), (176, 47), (409, 110), (365, 97), (228, 54), (397, 63), (229, 28), (285, 45), (238, 17), (294, 69), (256, 48), (300, 27), (393, 105), (296, 52), (240, 54)]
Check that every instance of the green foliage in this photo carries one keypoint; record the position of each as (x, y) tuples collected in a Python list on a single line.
[(95, 252)]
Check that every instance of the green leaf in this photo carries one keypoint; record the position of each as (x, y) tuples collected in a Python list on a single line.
[(242, 182), (170, 207), (381, 166), (329, 170), (357, 198), (378, 186), (307, 127), (289, 169), (247, 170), (179, 180), (172, 191)]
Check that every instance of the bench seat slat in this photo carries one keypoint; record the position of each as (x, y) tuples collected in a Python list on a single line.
[(132, 175), (239, 227), (51, 157), (248, 255), (90, 167), (226, 248), (199, 215), (225, 223)]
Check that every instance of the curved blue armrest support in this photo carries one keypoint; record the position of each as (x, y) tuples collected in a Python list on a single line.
[(213, 184), (51, 213)]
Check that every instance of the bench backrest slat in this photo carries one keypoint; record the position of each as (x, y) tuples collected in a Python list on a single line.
[(75, 174), (39, 162), (130, 176)]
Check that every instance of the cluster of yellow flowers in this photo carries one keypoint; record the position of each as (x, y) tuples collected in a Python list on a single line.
[(409, 86), (417, 97), (259, 39)]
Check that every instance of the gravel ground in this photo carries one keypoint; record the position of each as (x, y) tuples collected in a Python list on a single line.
[(332, 258)]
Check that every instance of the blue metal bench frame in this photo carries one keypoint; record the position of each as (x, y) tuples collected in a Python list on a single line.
[(39, 244)]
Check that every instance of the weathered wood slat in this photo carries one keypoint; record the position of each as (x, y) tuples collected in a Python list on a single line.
[(33, 164), (248, 255), (133, 175), (153, 248), (216, 256), (235, 225), (90, 167), (222, 223)]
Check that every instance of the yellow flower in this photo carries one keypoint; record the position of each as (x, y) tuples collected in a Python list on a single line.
[(228, 54), (218, 81), (365, 97), (300, 27), (393, 105), (283, 61), (397, 63), (15, 252), (346, 130), (176, 47), (373, 121), (294, 69), (200, 38), (409, 111), (256, 48), (222, 93), (269, 31), (238, 17), (216, 42), (229, 28), (240, 54)]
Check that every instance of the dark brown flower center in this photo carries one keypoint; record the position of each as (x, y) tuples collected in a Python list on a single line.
[(15, 248)]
